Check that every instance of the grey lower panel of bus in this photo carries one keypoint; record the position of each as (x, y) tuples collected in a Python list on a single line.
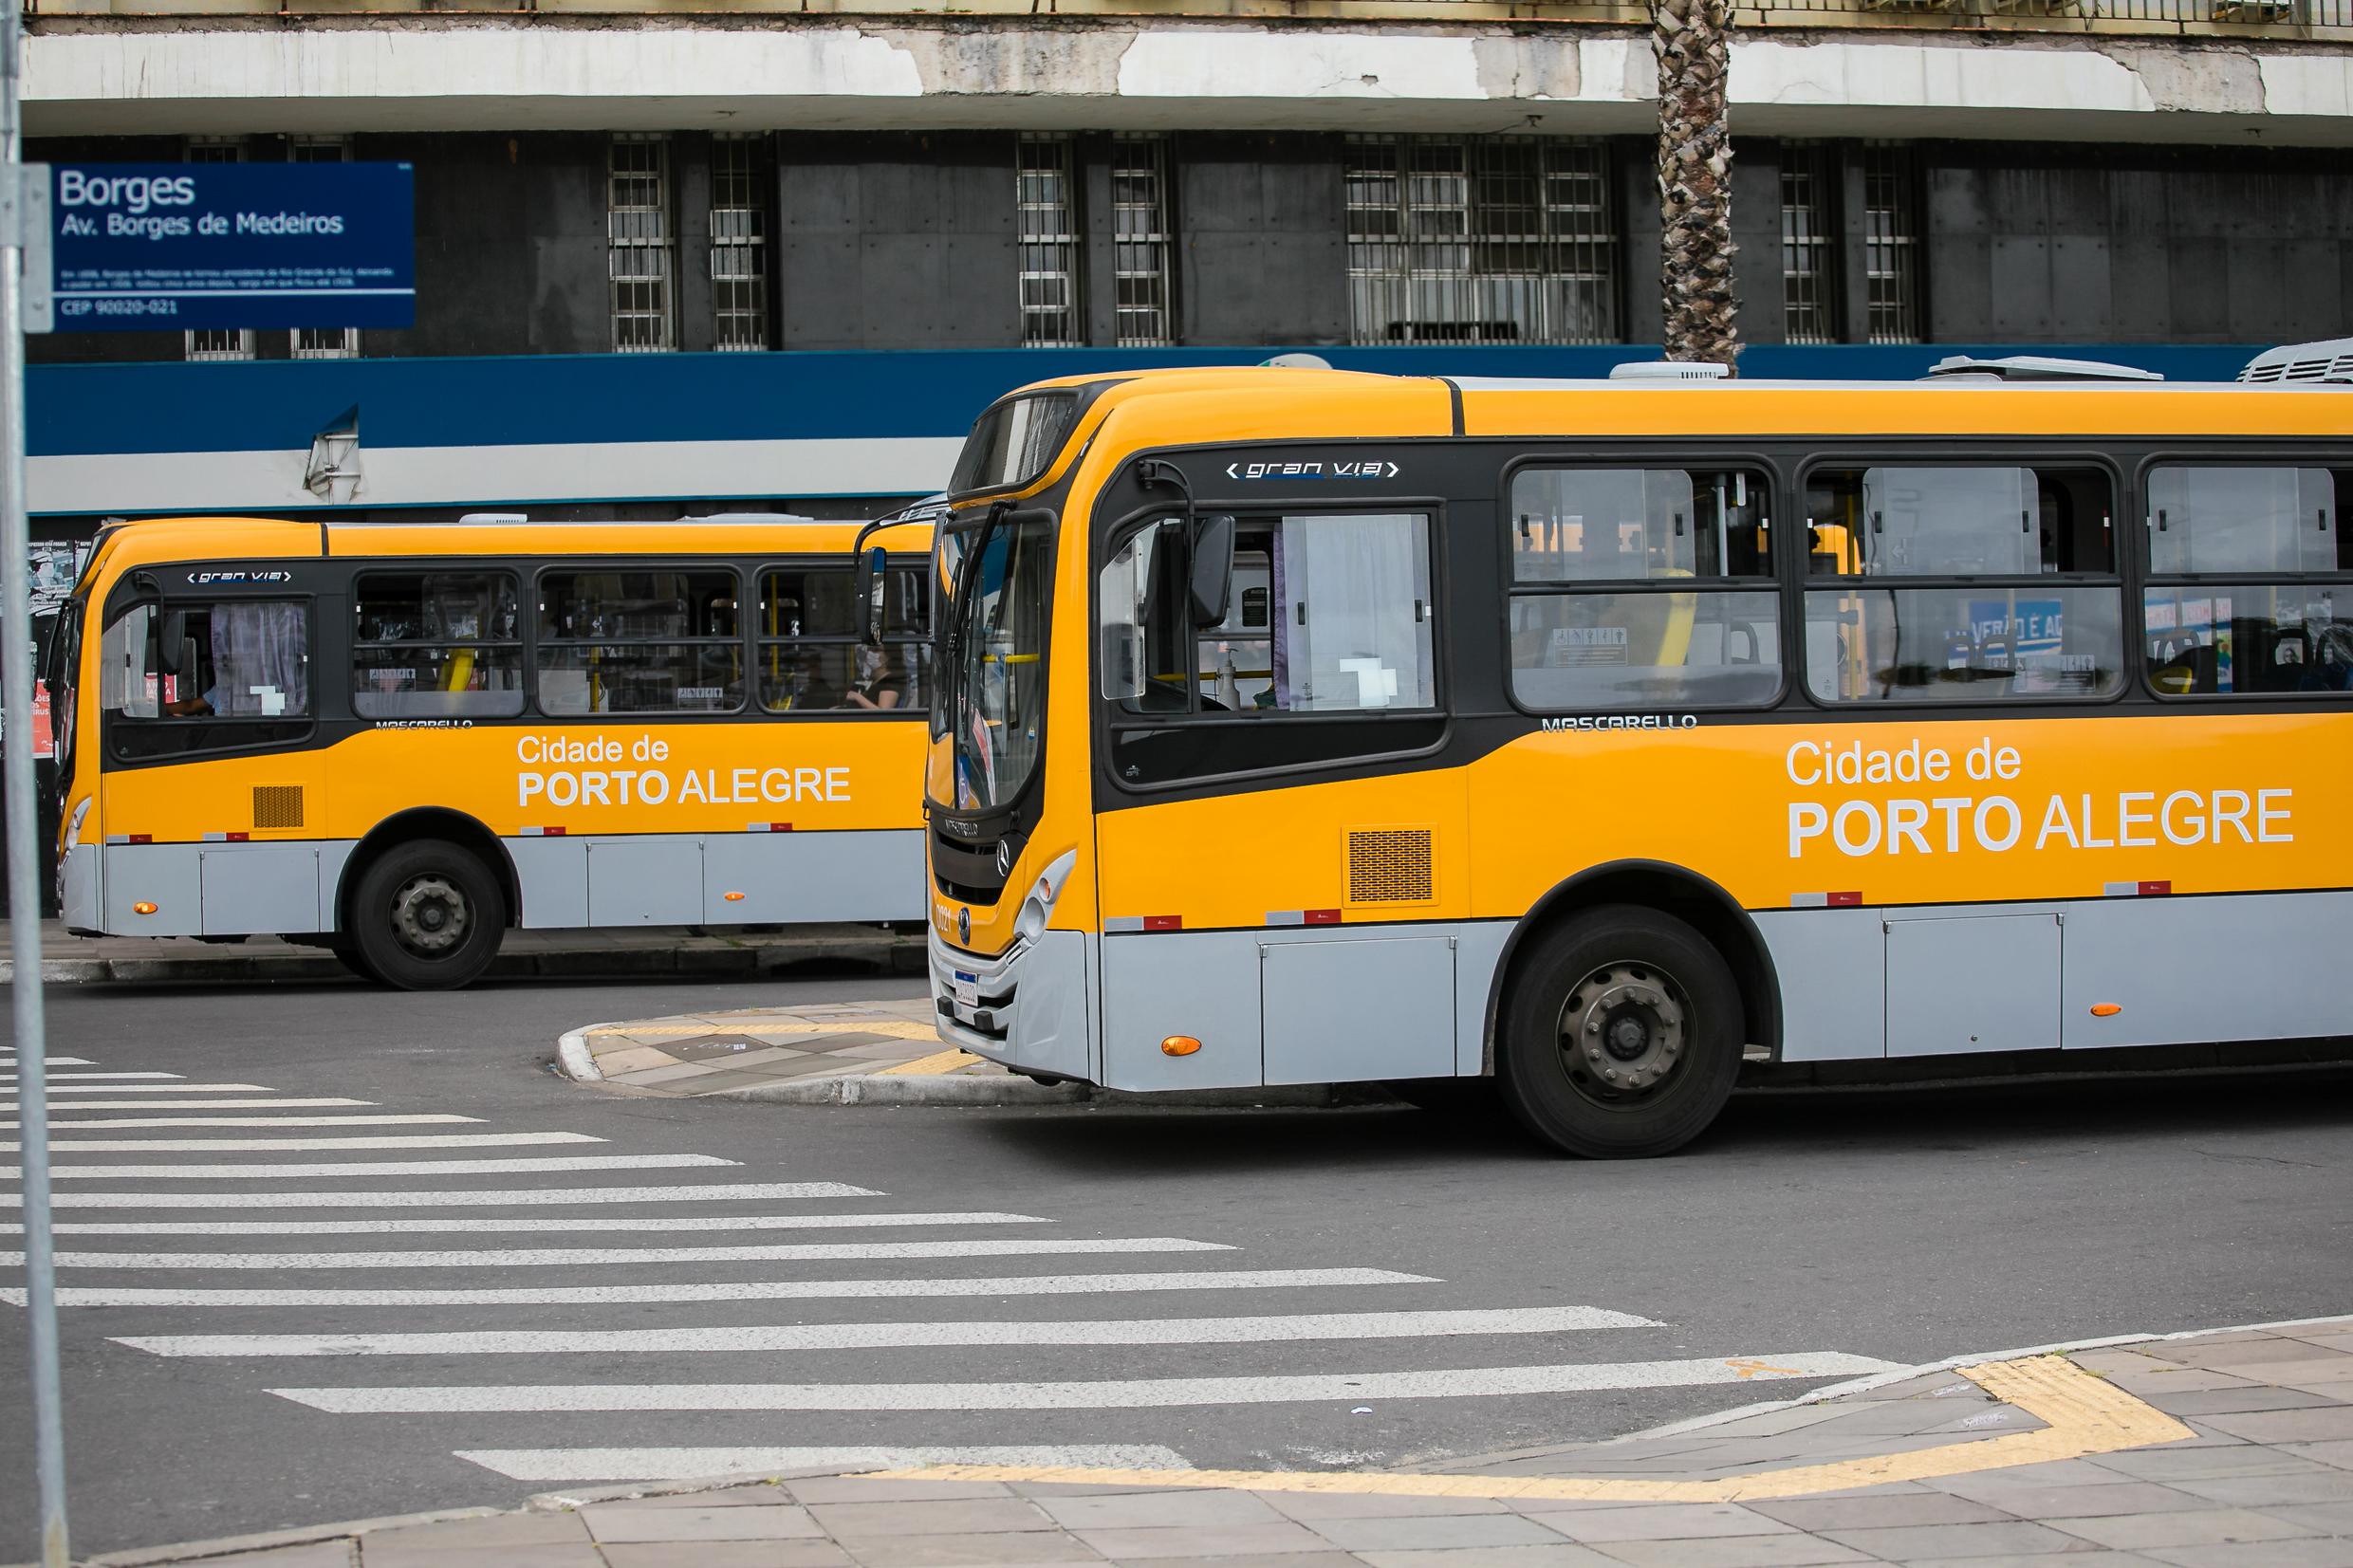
[(668, 880), (2024, 977), (684, 878), (1356, 1003)]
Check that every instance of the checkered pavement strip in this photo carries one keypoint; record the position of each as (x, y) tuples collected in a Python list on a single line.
[(377, 1268)]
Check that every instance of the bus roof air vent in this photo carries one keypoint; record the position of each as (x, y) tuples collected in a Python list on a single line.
[(746, 517), (1671, 370), (2036, 367), (494, 518), (2329, 361)]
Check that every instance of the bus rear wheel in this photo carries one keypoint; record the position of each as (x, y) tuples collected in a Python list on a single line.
[(427, 917), (1620, 1035)]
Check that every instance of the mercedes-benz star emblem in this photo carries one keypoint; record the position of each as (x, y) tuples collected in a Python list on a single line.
[(1004, 857), (964, 925)]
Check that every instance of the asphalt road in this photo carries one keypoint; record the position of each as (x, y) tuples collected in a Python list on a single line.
[(1852, 1226)]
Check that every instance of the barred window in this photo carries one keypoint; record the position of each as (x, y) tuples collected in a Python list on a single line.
[(1481, 239), (225, 343), (739, 242), (1050, 311), (1810, 306), (1891, 242), (1143, 240), (323, 342), (640, 251)]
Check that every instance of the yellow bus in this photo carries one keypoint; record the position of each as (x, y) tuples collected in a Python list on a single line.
[(1307, 727), (400, 740)]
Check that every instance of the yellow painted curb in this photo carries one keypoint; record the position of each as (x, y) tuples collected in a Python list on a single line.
[(942, 1061), (2082, 1415), (894, 1028)]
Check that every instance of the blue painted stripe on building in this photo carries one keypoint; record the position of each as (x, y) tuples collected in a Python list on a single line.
[(531, 400)]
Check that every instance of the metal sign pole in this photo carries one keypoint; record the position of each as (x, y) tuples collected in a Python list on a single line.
[(16, 746)]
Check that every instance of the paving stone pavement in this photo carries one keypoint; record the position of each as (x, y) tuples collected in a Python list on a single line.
[(2252, 1467)]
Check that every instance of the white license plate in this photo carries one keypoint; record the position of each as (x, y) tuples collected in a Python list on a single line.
[(965, 990)]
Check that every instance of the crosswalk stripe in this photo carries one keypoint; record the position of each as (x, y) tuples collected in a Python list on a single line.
[(568, 1257), (9, 1107), (10, 1060), (763, 1191), (957, 1335), (262, 1146), (759, 1290), (182, 1088), (577, 1464), (536, 1224), (1110, 1393), (371, 1167), (11, 1078), (441, 1118)]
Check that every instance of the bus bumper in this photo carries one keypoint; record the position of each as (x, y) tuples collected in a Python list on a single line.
[(78, 903), (1024, 1009)]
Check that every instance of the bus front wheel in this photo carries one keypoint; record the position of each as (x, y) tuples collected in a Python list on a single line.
[(427, 916), (1620, 1035)]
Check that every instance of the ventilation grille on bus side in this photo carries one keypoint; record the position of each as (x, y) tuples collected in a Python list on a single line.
[(277, 805), (1389, 865)]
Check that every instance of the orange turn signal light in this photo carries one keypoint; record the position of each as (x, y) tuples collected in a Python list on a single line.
[(2104, 1009), (1179, 1045), (734, 897), (144, 908)]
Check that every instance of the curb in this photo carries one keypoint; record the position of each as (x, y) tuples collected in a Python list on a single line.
[(578, 1061), (564, 1501), (221, 1546), (744, 959)]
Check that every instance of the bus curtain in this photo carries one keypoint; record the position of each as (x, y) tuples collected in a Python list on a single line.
[(261, 654)]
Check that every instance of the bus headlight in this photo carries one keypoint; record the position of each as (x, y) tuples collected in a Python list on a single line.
[(73, 827), (1039, 907)]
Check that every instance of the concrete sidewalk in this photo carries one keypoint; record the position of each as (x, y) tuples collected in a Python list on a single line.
[(851, 1053), (2221, 1450), (66, 959)]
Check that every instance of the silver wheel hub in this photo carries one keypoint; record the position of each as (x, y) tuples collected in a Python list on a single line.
[(430, 915), (1623, 1029)]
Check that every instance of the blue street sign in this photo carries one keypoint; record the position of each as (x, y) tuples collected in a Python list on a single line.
[(142, 246)]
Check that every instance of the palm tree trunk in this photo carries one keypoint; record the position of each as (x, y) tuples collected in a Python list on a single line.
[(1693, 39)]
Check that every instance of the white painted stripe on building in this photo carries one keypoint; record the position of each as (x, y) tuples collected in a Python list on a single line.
[(1104, 1394), (464, 1197), (410, 476), (535, 1223), (11, 1107), (370, 1168), (577, 1465), (759, 1290), (575, 1257), (182, 1088), (297, 1146), (423, 1120), (963, 1334)]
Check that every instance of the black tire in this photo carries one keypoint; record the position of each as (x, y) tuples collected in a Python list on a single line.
[(1620, 1035), (347, 954), (427, 916)]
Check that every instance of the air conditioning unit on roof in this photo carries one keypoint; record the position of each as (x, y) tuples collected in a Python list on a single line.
[(2331, 360), (1671, 370)]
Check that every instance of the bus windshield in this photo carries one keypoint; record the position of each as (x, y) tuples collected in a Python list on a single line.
[(999, 659)]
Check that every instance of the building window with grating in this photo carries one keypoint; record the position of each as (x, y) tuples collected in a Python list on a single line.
[(1143, 240), (1051, 312), (642, 254), (227, 343), (1481, 240), (1809, 299), (323, 342), (1891, 247), (739, 171)]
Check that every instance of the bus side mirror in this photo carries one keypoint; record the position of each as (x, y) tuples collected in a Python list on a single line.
[(170, 635), (1212, 569), (867, 596)]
